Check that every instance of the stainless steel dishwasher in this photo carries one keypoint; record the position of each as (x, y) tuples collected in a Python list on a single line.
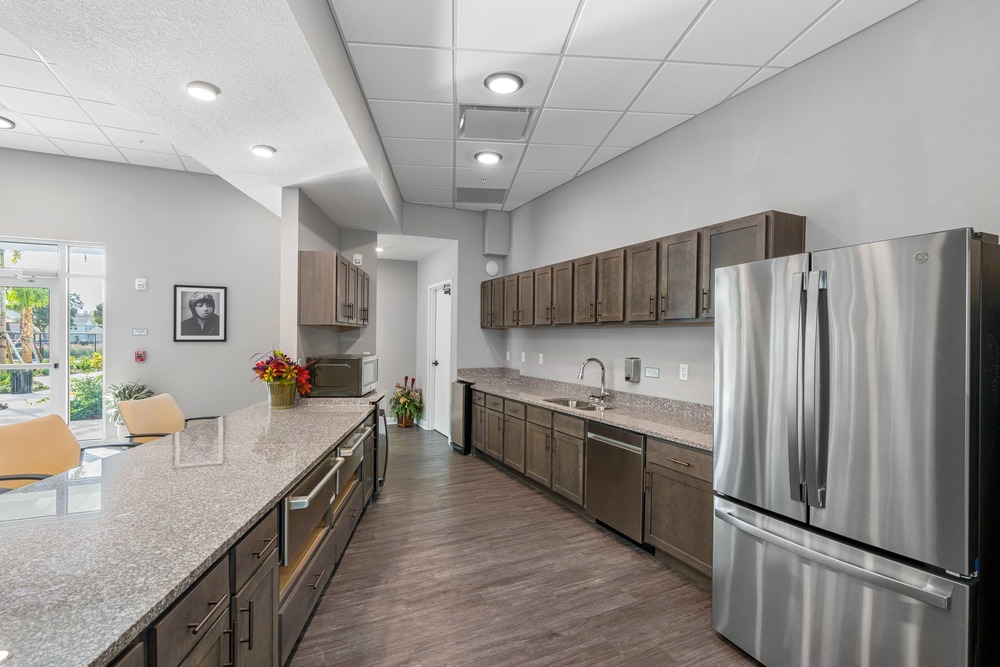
[(614, 478)]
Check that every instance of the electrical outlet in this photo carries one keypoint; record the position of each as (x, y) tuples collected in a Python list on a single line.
[(524, 357), (508, 355), (541, 359), (683, 375)]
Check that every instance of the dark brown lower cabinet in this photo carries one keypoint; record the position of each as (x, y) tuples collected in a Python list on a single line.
[(134, 656), (255, 608), (513, 443), (215, 648), (188, 624), (538, 453), (567, 466), (479, 427), (494, 434), (304, 594)]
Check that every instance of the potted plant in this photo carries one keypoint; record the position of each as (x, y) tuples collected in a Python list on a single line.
[(282, 377), (406, 402), (126, 391)]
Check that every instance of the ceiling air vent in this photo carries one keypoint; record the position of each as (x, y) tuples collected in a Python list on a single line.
[(479, 195), (501, 123)]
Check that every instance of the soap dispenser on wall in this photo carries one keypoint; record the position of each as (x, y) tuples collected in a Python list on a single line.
[(633, 369)]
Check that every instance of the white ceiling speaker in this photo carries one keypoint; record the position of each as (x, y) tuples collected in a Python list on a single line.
[(488, 157), (504, 83), (7, 124), (261, 150), (203, 90)]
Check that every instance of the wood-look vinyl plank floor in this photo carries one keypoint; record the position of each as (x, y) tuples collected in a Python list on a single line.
[(462, 563)]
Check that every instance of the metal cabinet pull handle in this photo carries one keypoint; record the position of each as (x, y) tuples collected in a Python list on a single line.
[(704, 300), (652, 305), (682, 463), (195, 628), (663, 304), (302, 502), (232, 644), (248, 610), (319, 577), (265, 548)]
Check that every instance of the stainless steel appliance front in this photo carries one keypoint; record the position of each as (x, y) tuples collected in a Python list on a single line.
[(614, 478), (343, 374)]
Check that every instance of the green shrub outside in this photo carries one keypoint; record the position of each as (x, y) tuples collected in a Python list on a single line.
[(86, 398)]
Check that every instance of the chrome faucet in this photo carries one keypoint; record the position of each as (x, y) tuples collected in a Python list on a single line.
[(604, 392)]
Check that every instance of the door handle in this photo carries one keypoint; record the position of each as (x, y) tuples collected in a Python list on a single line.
[(793, 389), (435, 363), (813, 390)]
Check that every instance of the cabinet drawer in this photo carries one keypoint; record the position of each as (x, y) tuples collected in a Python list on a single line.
[(478, 398), (189, 619), (345, 524), (133, 657), (568, 425), (298, 606), (540, 416), (513, 409), (682, 459), (494, 403), (255, 547)]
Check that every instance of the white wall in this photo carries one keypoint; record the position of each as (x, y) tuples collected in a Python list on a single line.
[(172, 228), (356, 242), (435, 268), (397, 316), (306, 227), (892, 132)]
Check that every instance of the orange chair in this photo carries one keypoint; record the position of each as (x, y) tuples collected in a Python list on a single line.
[(154, 417)]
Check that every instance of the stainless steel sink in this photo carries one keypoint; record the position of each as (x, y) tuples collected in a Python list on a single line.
[(572, 403)]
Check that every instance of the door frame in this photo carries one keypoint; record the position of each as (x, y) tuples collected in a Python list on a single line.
[(432, 326)]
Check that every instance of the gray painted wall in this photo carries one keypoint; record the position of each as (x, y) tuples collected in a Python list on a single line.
[(171, 228), (362, 341), (311, 229), (397, 316), (435, 268), (890, 133)]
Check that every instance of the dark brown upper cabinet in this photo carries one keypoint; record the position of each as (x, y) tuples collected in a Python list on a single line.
[(332, 290), (485, 304), (678, 284), (611, 286), (526, 299), (640, 282), (562, 293), (510, 301), (496, 316), (543, 296), (755, 237), (585, 290)]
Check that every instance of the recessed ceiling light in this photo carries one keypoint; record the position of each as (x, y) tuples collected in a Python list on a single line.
[(488, 157), (377, 249), (260, 150), (7, 123), (203, 90), (504, 83)]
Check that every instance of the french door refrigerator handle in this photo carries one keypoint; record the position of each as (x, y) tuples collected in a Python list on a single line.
[(793, 389), (928, 594), (813, 391)]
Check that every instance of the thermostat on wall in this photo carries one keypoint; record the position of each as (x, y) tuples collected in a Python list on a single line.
[(357, 259)]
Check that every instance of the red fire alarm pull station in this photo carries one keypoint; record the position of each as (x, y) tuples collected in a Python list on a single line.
[(140, 355)]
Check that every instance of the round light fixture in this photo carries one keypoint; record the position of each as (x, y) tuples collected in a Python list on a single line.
[(492, 268), (260, 150), (488, 157), (504, 83), (7, 124), (203, 90)]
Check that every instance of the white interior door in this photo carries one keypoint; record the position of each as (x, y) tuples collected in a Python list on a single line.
[(440, 371)]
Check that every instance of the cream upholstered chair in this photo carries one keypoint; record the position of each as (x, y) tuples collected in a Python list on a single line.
[(154, 417), (38, 448)]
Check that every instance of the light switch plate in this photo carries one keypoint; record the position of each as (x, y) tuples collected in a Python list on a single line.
[(651, 372), (541, 359), (508, 355), (140, 332), (524, 357)]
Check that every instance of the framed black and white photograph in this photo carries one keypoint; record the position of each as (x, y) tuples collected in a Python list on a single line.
[(199, 313)]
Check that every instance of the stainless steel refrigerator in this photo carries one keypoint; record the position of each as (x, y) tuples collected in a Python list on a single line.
[(855, 423)]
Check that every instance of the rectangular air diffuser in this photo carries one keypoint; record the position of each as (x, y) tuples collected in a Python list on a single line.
[(503, 123)]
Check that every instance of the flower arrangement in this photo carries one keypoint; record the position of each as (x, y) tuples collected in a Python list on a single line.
[(406, 402), (277, 367)]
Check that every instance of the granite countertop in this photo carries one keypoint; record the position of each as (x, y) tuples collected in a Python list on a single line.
[(94, 555), (677, 421)]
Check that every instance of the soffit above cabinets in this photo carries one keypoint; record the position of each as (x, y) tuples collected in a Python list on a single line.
[(600, 77)]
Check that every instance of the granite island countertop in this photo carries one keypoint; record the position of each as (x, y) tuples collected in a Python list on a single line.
[(677, 421), (94, 555)]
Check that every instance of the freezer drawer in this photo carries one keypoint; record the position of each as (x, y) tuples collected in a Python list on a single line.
[(790, 597)]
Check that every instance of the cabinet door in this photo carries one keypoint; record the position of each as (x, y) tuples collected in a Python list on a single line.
[(513, 443), (538, 453), (678, 516), (496, 319), (352, 292), (726, 244), (678, 289), (494, 434), (567, 466), (585, 290), (485, 304), (479, 427), (611, 286), (215, 648), (256, 610), (543, 296), (317, 278), (562, 293), (640, 282), (368, 467), (363, 283), (510, 301), (526, 299), (344, 292)]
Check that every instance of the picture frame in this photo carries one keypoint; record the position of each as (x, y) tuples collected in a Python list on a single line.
[(200, 314)]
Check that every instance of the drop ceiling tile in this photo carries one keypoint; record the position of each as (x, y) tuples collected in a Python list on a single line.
[(507, 26), (472, 177), (21, 124), (541, 180), (683, 88), (193, 165), (547, 157), (602, 155), (12, 46), (403, 73), (414, 22), (737, 32), (90, 151), (151, 159), (582, 128), (597, 83), (110, 115), (77, 87), (636, 128), (517, 198), (417, 120), (433, 153), (422, 195), (480, 207), (472, 68), (69, 129), (632, 29), (763, 75), (141, 140), (29, 75), (29, 102), (465, 153), (27, 142), (435, 177), (846, 19)]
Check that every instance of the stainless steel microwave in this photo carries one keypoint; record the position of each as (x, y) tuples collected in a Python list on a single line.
[(343, 374)]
